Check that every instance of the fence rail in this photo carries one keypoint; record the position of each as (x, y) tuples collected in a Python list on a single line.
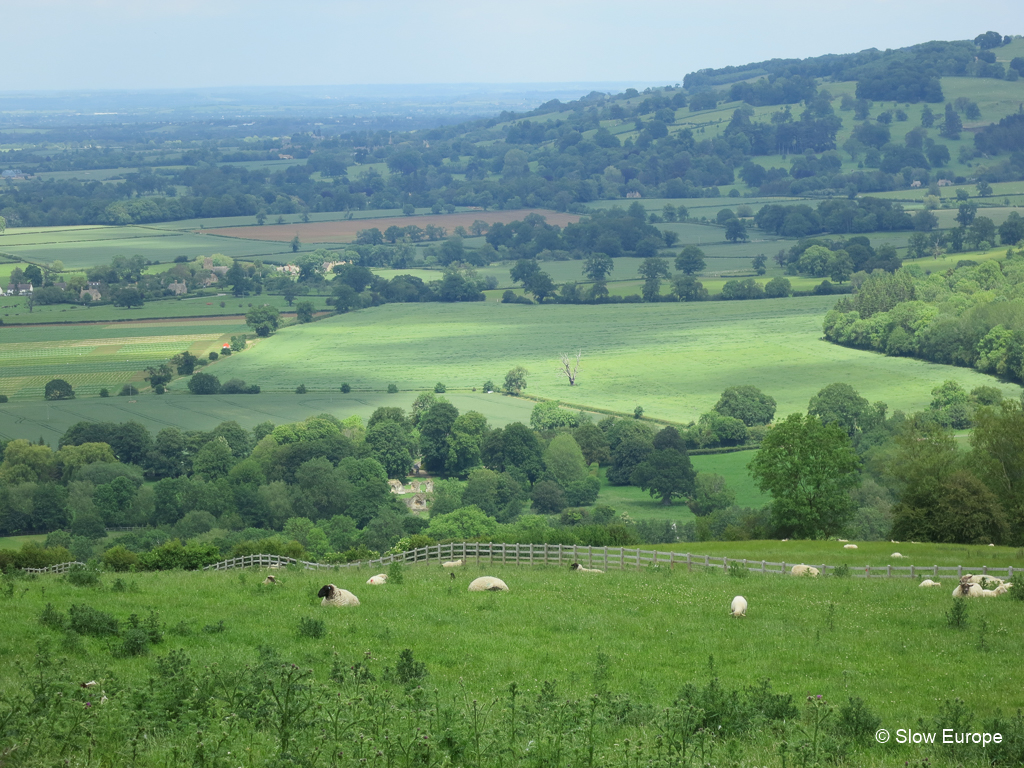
[(608, 558), (61, 568)]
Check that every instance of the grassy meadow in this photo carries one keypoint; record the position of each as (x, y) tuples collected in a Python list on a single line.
[(91, 356), (674, 360), (635, 638)]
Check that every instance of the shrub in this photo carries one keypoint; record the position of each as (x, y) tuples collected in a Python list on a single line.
[(489, 386), (58, 389), (312, 628), (841, 571), (104, 392), (345, 389), (128, 390), (239, 387), (213, 355), (204, 384), (86, 620), (956, 616), (396, 573), (52, 618), (439, 388), (392, 389), (120, 558), (82, 576)]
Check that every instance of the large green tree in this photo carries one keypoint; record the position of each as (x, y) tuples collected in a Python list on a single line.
[(809, 468), (263, 320), (746, 403)]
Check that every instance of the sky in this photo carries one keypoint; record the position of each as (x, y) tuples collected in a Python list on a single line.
[(152, 44)]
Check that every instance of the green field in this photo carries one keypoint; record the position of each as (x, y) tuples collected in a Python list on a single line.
[(672, 359), (634, 637), (92, 356), (32, 419), (15, 310)]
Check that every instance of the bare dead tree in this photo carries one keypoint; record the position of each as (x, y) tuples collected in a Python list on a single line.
[(571, 367)]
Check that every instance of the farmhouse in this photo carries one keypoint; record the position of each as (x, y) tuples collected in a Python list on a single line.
[(19, 289), (178, 289)]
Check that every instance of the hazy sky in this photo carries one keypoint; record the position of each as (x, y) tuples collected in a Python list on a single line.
[(93, 44)]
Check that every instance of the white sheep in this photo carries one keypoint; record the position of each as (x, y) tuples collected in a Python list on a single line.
[(488, 584), (1002, 589), (270, 580), (897, 555), (452, 564), (738, 607), (804, 570), (332, 595), (967, 589), (930, 583), (842, 540), (849, 546), (380, 578), (581, 569)]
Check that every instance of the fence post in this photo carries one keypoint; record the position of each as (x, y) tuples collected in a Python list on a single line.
[(783, 567), (707, 562), (1009, 574), (888, 571), (911, 571), (984, 570), (590, 556), (688, 562), (935, 571), (671, 561), (545, 553), (638, 558)]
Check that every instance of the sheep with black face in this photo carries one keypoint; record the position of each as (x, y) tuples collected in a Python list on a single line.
[(333, 595)]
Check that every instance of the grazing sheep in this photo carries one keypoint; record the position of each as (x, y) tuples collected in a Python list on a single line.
[(897, 555), (842, 540), (581, 569), (738, 607), (804, 570), (930, 583), (270, 580), (452, 564), (380, 578), (488, 584), (849, 546), (332, 595)]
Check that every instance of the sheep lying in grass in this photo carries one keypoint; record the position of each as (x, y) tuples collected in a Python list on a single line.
[(488, 584), (804, 570), (332, 595), (270, 580), (930, 583), (849, 546), (579, 568), (380, 578), (967, 589), (738, 607), (452, 564), (897, 555)]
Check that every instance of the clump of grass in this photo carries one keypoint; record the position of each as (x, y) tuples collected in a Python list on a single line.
[(52, 618), (312, 628), (120, 585), (956, 616), (396, 573), (214, 629), (738, 570), (86, 620), (83, 576), (841, 571), (181, 629)]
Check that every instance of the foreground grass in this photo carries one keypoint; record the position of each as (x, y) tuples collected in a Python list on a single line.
[(633, 637)]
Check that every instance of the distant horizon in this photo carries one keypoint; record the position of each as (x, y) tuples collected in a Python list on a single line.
[(118, 45)]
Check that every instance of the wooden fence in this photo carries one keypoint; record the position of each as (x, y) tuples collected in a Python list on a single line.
[(62, 568), (607, 558)]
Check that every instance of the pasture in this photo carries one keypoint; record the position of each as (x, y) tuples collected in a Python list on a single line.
[(672, 359), (634, 638), (92, 356), (82, 247), (345, 231), (30, 419)]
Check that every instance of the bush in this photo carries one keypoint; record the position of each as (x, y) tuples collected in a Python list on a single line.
[(204, 384), (104, 392), (119, 558), (300, 390), (392, 389), (439, 388), (82, 576), (128, 390), (489, 386), (345, 389), (86, 620), (213, 355), (239, 387), (58, 389), (312, 628)]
